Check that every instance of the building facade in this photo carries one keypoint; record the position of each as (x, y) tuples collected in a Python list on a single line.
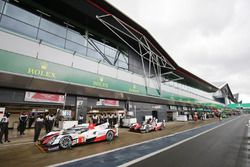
[(87, 57)]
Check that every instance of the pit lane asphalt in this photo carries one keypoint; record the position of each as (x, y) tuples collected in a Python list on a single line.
[(26, 154), (121, 156), (225, 146)]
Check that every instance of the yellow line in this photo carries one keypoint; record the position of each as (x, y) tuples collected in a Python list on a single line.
[(40, 148)]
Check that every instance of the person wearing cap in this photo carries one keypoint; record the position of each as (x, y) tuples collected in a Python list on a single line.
[(4, 128)]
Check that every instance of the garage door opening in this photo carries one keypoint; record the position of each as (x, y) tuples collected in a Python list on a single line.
[(155, 114)]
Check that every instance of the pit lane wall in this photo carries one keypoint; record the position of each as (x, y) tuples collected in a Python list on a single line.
[(30, 58)]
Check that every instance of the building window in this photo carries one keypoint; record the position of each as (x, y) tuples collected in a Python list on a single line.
[(17, 26), (1, 6), (75, 47), (94, 54), (21, 15), (51, 38), (76, 37), (109, 51), (53, 28), (25, 23)]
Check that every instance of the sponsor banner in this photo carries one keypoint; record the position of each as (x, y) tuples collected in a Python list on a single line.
[(44, 97), (104, 102), (56, 72)]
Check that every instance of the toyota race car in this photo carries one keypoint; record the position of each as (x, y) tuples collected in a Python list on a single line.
[(147, 127), (80, 134)]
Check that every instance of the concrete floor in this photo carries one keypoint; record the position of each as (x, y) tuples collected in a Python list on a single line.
[(22, 151)]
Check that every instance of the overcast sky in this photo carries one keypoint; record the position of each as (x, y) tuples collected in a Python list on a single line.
[(210, 38)]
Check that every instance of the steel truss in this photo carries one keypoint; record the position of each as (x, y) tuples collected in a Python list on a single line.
[(153, 62)]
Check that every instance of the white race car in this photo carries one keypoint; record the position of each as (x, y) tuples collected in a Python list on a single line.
[(80, 134)]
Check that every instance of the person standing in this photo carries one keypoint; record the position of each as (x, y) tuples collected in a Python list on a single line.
[(115, 119), (4, 128), (105, 118), (95, 119), (110, 119), (23, 123), (51, 120), (39, 123), (121, 119), (102, 119), (46, 123), (80, 119), (31, 119)]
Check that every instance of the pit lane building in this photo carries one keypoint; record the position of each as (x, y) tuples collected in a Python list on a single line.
[(87, 56)]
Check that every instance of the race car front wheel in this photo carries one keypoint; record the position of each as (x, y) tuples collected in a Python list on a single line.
[(65, 142), (110, 135)]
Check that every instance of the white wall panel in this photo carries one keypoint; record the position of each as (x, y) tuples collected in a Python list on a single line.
[(153, 84), (85, 64), (138, 79), (107, 71), (123, 75), (55, 55), (16, 44)]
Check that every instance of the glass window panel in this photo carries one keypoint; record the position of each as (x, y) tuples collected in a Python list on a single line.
[(53, 28), (21, 15), (1, 6), (110, 51), (123, 65), (99, 45), (111, 59), (50, 38), (76, 47), (105, 62), (123, 57), (18, 27), (94, 54), (76, 37)]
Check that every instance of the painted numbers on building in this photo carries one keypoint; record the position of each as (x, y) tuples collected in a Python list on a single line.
[(42, 71)]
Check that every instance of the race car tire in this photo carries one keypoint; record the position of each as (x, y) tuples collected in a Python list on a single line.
[(110, 135), (65, 142)]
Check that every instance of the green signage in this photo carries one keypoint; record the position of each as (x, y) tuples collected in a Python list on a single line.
[(25, 65)]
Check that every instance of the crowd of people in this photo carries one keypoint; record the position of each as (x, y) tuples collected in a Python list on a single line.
[(111, 118), (40, 121), (47, 121)]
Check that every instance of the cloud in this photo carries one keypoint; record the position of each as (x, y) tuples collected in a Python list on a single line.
[(208, 38)]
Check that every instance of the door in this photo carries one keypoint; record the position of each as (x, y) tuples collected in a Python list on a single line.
[(155, 114)]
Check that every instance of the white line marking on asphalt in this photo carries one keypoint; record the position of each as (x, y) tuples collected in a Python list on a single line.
[(132, 145), (176, 144)]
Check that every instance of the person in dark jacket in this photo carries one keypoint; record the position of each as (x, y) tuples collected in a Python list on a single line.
[(22, 123), (95, 119), (102, 119), (115, 119), (39, 123), (31, 119), (4, 122), (80, 119), (50, 120)]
